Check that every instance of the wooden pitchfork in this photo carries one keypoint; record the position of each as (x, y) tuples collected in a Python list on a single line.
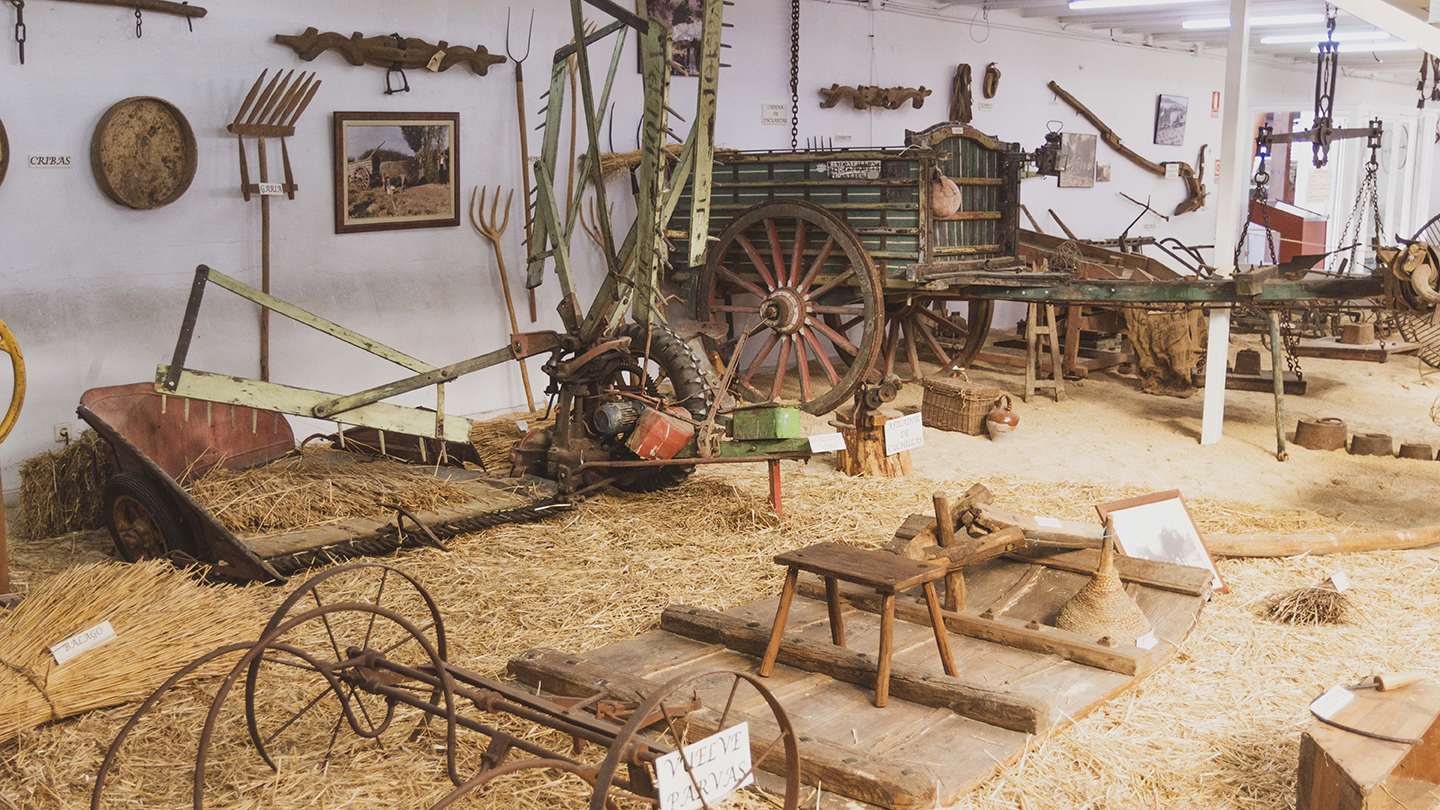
[(493, 231)]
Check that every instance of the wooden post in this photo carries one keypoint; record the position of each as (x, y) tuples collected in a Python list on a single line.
[(864, 452), (1231, 207), (832, 602), (787, 595), (4, 551), (887, 648), (264, 265), (776, 502), (945, 533), (1277, 368)]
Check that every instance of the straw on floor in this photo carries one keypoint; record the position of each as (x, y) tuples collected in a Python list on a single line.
[(60, 490), (162, 618), (1216, 727), (312, 489)]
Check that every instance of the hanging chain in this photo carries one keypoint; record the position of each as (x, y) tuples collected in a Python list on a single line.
[(1369, 192), (794, 74), (20, 26), (139, 24), (1289, 341), (1260, 195), (1327, 68)]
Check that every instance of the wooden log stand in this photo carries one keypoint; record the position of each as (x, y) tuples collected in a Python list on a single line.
[(864, 452), (886, 573)]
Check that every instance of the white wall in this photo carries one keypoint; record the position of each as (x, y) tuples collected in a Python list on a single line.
[(95, 291)]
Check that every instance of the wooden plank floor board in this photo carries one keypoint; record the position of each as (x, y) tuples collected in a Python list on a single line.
[(906, 756)]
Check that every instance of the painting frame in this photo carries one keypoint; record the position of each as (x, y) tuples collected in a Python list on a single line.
[(685, 53), (1182, 520), (357, 184), (1171, 114)]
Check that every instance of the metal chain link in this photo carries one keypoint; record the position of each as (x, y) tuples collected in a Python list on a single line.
[(20, 30), (794, 75), (139, 24), (1289, 341), (1262, 196), (1369, 188)]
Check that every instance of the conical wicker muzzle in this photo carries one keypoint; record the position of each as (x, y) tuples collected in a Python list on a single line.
[(1102, 608)]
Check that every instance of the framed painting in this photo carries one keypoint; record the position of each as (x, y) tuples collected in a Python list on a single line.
[(1159, 527), (1170, 113), (685, 18), (396, 170)]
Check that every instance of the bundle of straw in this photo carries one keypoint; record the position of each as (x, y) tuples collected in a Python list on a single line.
[(319, 487), (60, 490), (1310, 604), (162, 617), (493, 438)]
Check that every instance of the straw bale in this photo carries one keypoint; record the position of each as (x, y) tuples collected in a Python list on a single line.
[(60, 491), (162, 618), (493, 438), (318, 486), (1217, 727)]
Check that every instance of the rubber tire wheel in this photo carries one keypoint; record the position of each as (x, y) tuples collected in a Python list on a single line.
[(684, 368), (149, 501)]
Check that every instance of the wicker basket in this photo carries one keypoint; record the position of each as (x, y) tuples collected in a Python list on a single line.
[(957, 404)]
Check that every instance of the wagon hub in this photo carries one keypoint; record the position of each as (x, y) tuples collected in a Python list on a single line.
[(784, 311)]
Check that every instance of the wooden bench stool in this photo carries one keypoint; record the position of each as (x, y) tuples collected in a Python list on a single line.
[(887, 573)]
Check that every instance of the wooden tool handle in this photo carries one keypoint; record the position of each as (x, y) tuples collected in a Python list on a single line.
[(1394, 680)]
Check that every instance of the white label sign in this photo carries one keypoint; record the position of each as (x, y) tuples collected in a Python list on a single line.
[(271, 189), (851, 169), (1331, 702), (1147, 641), (434, 63), (1048, 522), (80, 642), (1341, 581), (774, 115), (827, 443), (49, 161), (904, 433), (985, 105), (719, 764)]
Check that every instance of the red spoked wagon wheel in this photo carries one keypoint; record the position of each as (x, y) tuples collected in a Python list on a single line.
[(781, 270)]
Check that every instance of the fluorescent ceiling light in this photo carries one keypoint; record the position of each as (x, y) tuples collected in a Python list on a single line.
[(1367, 47), (1077, 5), (1309, 39), (1284, 19)]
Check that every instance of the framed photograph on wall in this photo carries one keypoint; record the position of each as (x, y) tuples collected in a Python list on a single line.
[(1170, 112), (396, 170), (685, 20), (1159, 527)]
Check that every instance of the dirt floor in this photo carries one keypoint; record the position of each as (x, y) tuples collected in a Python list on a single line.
[(1108, 430), (424, 200), (1217, 727)]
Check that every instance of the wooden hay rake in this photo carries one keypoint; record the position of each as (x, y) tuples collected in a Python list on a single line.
[(370, 655)]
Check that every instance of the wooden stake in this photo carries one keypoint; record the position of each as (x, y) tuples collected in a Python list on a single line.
[(264, 265)]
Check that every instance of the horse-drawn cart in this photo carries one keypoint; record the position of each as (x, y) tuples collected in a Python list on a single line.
[(819, 252)]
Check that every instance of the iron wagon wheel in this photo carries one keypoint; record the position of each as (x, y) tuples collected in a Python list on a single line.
[(923, 327), (17, 372), (793, 263), (329, 666), (774, 747), (362, 581), (142, 519)]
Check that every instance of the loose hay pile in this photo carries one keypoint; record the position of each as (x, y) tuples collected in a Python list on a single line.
[(60, 490), (1216, 727), (162, 619), (316, 487), (1310, 604)]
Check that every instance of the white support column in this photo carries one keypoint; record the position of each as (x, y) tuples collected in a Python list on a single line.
[(1395, 21), (1231, 208)]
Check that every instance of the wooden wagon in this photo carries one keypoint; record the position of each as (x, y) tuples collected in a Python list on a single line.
[(831, 261)]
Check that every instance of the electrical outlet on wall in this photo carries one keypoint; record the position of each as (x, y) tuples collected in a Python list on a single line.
[(62, 432)]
